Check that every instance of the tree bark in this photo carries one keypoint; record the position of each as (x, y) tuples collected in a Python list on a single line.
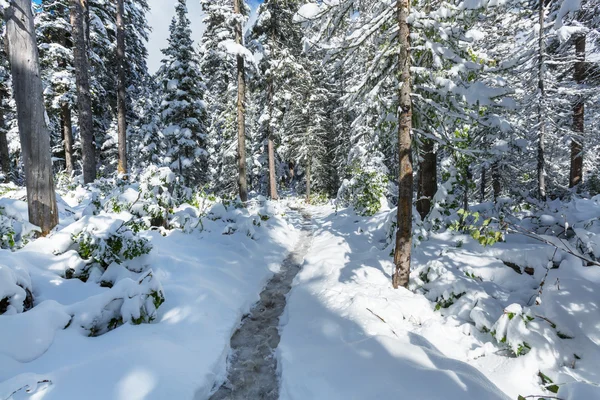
[(427, 178), (483, 184), (402, 253), (271, 145), (121, 95), (241, 107), (33, 132), (576, 173), (308, 177), (4, 153), (84, 102), (67, 133), (541, 161), (496, 187)]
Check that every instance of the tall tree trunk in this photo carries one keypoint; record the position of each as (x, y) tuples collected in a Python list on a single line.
[(427, 178), (576, 175), (33, 132), (84, 102), (541, 162), (4, 153), (483, 184), (402, 253), (271, 145), (308, 177), (241, 107), (67, 134), (121, 95), (496, 187)]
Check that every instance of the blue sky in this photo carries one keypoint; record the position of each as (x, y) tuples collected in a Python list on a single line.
[(159, 18)]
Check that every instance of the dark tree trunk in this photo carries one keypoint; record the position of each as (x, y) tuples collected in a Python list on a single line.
[(33, 132), (67, 134), (576, 173), (84, 102), (483, 184), (121, 95), (402, 253), (541, 163), (4, 153), (271, 145), (427, 185), (496, 187), (241, 109), (308, 177)]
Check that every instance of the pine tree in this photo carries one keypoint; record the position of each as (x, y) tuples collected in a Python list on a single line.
[(182, 108), (218, 68)]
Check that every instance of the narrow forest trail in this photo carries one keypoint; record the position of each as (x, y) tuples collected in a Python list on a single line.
[(251, 362)]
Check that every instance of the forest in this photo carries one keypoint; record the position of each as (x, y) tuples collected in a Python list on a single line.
[(308, 199)]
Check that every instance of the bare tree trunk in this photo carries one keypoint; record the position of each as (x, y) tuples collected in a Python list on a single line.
[(576, 173), (427, 185), (541, 161), (241, 108), (121, 95), (483, 184), (496, 187), (308, 176), (4, 153), (33, 132), (84, 102), (402, 253), (67, 133), (271, 145)]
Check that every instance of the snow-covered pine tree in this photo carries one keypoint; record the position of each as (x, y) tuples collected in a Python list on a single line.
[(218, 70), (183, 111), (54, 40)]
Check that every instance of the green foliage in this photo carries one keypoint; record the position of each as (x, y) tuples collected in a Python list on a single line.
[(445, 303), (102, 248), (365, 190), (480, 231)]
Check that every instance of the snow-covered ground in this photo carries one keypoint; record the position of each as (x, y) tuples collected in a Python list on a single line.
[(348, 334), (471, 327)]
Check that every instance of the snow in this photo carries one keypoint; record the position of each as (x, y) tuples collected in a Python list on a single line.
[(474, 324)]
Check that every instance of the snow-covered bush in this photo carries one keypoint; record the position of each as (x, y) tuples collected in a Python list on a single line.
[(129, 301), (15, 290), (101, 245), (365, 191), (14, 231)]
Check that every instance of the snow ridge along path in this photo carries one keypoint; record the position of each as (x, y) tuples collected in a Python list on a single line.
[(251, 363)]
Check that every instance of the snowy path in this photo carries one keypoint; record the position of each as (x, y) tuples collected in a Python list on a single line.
[(252, 365)]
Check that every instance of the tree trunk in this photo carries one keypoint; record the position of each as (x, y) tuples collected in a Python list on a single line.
[(402, 253), (496, 187), (33, 132), (67, 133), (84, 102), (271, 145), (241, 107), (483, 184), (4, 153), (541, 162), (576, 175), (308, 167), (121, 95), (427, 178)]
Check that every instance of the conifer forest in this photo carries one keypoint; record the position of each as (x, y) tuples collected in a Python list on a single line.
[(300, 199)]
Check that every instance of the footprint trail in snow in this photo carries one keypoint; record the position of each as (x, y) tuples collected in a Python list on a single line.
[(251, 363)]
